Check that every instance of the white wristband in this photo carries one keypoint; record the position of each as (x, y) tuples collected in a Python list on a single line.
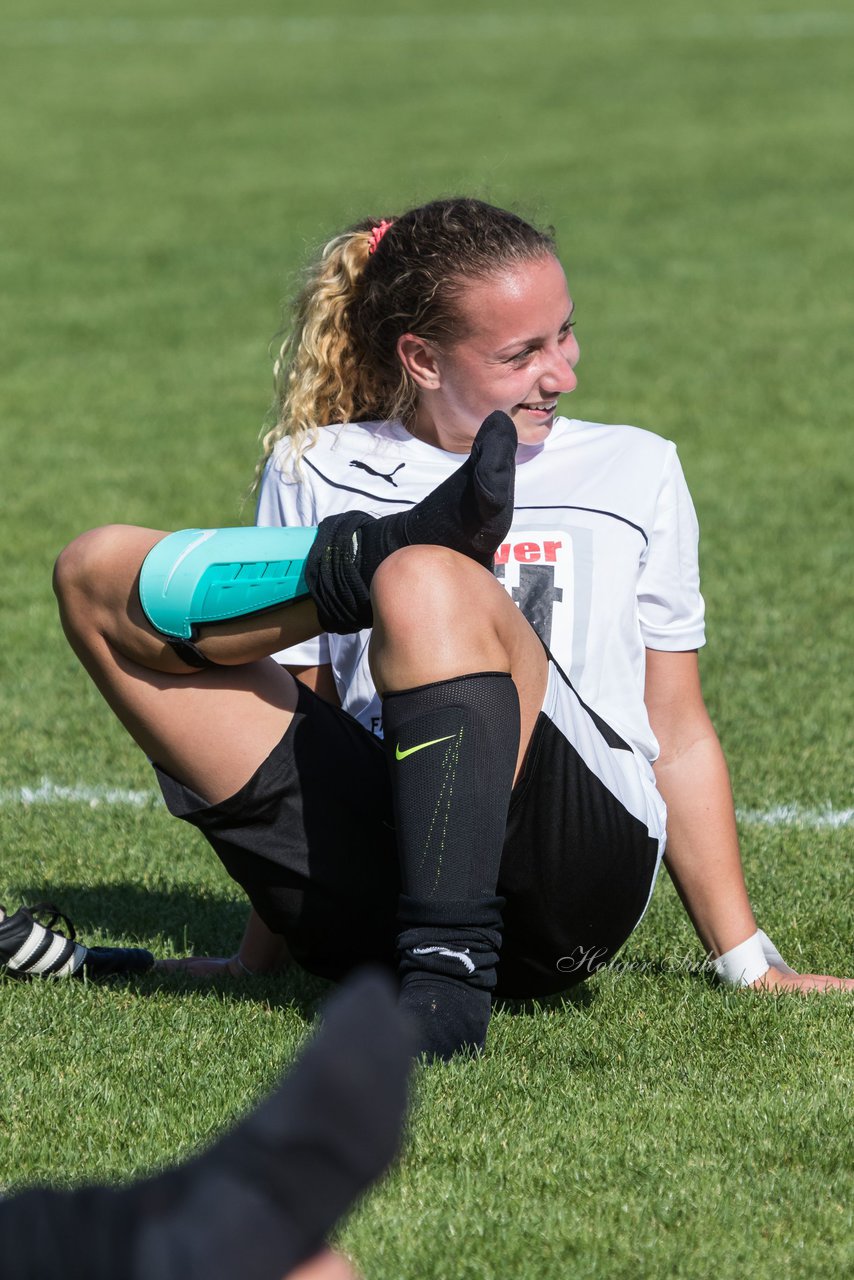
[(772, 955), (743, 964)]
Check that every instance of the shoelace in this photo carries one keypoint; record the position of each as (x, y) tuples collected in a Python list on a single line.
[(47, 908)]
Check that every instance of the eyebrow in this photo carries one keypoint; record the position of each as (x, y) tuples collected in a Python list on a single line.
[(522, 343)]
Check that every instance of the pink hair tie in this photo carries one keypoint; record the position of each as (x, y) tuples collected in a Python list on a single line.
[(377, 234)]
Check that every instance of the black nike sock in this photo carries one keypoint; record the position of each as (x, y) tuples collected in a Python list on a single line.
[(451, 748), (470, 512)]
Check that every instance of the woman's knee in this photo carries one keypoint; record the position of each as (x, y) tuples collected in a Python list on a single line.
[(422, 580), (435, 616), (94, 575)]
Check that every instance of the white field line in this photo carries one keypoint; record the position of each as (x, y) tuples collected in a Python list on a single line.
[(479, 26), (792, 815), (52, 793)]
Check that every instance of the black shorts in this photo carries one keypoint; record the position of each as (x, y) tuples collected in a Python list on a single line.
[(310, 838)]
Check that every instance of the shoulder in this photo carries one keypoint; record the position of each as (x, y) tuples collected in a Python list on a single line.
[(633, 459), (326, 444), (378, 462), (375, 466), (610, 439), (613, 480), (599, 465)]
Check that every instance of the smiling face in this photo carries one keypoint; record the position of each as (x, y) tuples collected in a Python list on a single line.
[(518, 354)]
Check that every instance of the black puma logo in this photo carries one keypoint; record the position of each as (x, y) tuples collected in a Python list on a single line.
[(363, 466)]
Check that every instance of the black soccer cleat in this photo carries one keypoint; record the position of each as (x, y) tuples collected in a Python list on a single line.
[(30, 948)]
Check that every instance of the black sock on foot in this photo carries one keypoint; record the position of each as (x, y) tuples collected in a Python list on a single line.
[(451, 1016), (470, 512), (451, 748), (448, 957)]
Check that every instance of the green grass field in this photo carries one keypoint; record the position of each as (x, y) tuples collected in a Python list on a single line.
[(165, 172)]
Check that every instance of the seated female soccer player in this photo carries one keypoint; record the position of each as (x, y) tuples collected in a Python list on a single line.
[(532, 661)]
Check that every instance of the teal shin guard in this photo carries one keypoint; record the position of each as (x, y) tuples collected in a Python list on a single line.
[(198, 576)]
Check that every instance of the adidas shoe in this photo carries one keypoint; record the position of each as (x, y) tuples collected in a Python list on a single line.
[(28, 947)]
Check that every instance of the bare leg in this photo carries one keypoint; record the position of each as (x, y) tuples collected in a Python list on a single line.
[(210, 729)]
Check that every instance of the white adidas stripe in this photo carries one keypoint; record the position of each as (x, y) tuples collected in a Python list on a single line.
[(54, 951), (28, 947), (20, 961), (73, 962)]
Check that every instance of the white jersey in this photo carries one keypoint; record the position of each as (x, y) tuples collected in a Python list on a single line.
[(601, 556)]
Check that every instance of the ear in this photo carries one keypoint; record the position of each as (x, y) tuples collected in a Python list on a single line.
[(420, 360)]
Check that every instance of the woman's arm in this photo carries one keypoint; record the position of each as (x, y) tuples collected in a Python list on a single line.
[(702, 855)]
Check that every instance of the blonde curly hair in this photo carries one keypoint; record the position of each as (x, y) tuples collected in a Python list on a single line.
[(373, 283)]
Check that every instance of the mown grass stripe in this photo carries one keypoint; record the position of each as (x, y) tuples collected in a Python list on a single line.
[(396, 28)]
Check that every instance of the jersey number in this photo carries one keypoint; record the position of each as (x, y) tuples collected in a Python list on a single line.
[(536, 594)]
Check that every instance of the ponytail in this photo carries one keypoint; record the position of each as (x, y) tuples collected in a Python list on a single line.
[(321, 374)]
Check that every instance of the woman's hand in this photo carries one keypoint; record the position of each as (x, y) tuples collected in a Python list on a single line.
[(260, 952), (776, 980)]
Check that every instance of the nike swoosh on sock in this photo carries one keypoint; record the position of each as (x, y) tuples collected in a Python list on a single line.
[(401, 755)]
